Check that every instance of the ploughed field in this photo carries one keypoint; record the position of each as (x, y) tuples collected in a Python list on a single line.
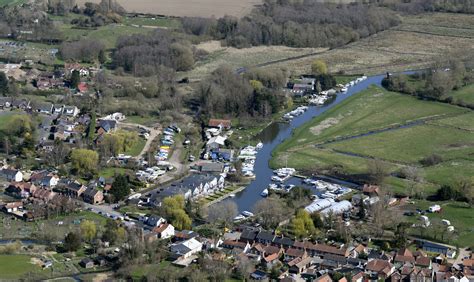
[(187, 8), (396, 129)]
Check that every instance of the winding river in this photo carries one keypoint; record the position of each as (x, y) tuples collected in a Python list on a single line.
[(276, 133)]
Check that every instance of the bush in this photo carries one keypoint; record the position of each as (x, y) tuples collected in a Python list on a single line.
[(431, 160), (447, 192)]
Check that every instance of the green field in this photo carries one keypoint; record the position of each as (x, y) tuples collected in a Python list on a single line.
[(459, 214), (465, 94), (6, 118), (153, 22), (442, 129), (137, 148), (15, 266), (11, 2), (112, 171)]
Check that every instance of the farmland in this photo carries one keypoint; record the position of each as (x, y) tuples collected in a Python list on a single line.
[(15, 266), (416, 129), (183, 8)]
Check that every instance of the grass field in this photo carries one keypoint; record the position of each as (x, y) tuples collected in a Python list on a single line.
[(6, 118), (465, 94), (137, 148), (376, 109), (15, 266), (112, 171), (12, 2), (163, 22), (183, 8), (461, 217)]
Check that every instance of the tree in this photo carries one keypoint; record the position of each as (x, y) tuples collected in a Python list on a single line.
[(88, 230), (361, 212), (223, 212), (120, 187), (102, 56), (302, 224), (3, 84), (172, 209), (466, 188), (110, 234), (72, 242), (401, 235), (270, 212), (84, 161), (317, 221), (75, 78), (377, 171), (319, 67)]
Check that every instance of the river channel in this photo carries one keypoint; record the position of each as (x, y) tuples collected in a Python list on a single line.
[(276, 133)]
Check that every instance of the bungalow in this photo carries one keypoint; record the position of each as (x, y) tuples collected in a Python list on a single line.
[(155, 221), (164, 231), (58, 109), (211, 167), (220, 123), (215, 142), (93, 196), (20, 104), (185, 249), (11, 175)]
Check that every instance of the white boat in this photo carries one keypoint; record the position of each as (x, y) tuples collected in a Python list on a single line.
[(277, 178), (239, 218), (264, 193), (247, 214), (344, 89), (232, 195), (272, 186), (259, 145)]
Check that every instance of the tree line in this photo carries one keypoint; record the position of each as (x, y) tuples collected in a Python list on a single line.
[(306, 23), (156, 52)]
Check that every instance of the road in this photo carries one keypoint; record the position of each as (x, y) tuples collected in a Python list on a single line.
[(462, 254)]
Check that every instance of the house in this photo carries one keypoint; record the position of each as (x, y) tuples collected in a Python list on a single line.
[(293, 253), (283, 242), (207, 167), (93, 196), (74, 189), (324, 278), (72, 111), (379, 269), (447, 250), (57, 109), (404, 256), (185, 249), (20, 104), (82, 87), (44, 108), (215, 142), (11, 175), (21, 189), (48, 181), (236, 246), (43, 194), (371, 190), (87, 263), (185, 235), (155, 221), (265, 237), (299, 265), (106, 126), (220, 123), (358, 250), (12, 207), (164, 231)]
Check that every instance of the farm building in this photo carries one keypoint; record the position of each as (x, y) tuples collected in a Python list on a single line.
[(319, 205), (337, 208)]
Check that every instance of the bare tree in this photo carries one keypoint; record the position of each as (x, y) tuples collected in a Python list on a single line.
[(377, 171), (223, 212), (271, 211)]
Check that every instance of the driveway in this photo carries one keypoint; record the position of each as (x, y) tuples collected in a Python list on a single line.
[(153, 131)]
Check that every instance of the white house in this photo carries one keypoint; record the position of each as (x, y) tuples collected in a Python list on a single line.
[(11, 175), (164, 231), (71, 111), (216, 142), (186, 248)]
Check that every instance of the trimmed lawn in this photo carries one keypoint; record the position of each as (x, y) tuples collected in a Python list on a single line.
[(153, 22), (6, 118), (112, 171), (142, 120), (16, 266)]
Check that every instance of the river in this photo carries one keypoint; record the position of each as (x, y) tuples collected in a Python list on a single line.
[(276, 133)]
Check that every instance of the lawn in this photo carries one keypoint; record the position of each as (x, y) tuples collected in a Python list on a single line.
[(11, 2), (137, 148), (153, 22), (465, 121), (16, 266), (112, 171), (5, 119), (148, 120)]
